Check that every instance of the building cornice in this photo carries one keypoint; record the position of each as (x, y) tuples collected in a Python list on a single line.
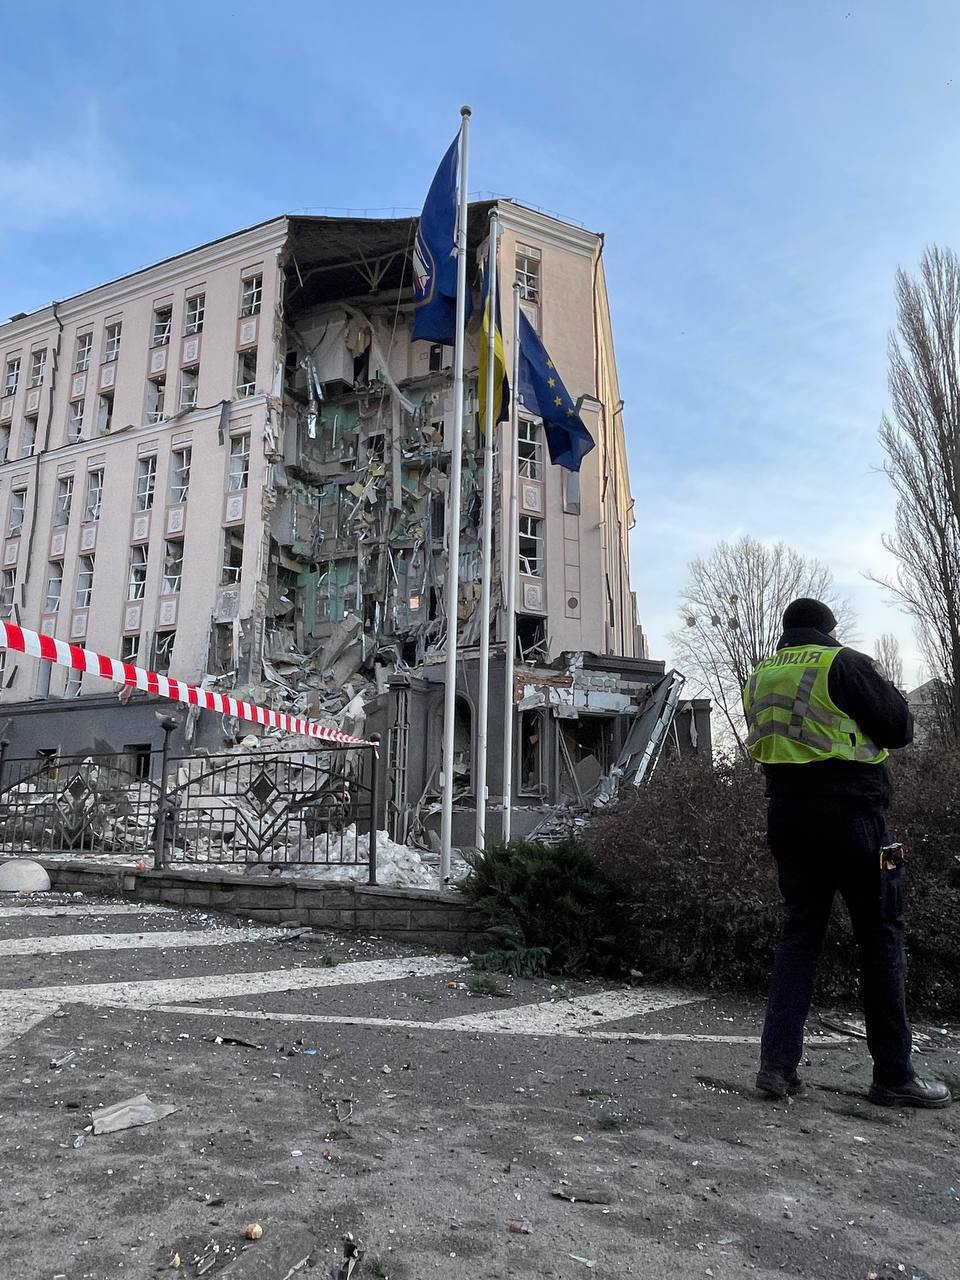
[(541, 227)]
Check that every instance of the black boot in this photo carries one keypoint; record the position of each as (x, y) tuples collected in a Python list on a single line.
[(779, 1084), (915, 1093)]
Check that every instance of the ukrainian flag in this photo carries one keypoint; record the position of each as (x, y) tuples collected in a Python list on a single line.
[(501, 387)]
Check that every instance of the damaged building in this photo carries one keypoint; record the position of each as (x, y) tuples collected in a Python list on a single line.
[(233, 467)]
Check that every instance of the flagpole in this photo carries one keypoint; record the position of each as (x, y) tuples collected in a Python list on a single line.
[(510, 578), (453, 513), (486, 535)]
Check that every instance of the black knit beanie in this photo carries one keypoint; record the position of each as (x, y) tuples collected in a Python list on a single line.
[(809, 613)]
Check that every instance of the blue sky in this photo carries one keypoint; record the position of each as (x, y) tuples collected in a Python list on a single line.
[(759, 170)]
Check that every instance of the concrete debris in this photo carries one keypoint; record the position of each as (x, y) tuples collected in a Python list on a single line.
[(130, 1114), (21, 875)]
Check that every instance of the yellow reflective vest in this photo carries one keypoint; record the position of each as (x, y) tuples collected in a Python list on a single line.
[(791, 718)]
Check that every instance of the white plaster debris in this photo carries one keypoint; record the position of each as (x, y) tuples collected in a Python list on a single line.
[(160, 940)]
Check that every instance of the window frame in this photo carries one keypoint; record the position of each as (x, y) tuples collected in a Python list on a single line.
[(83, 353), (528, 263), (137, 564), (92, 512), (239, 478), (11, 375), (185, 402), (194, 325), (157, 392), (231, 574), (63, 501), (245, 389), (112, 338), (75, 421), (533, 533), (54, 572), (18, 498), (172, 582), (530, 465), (180, 487), (83, 595), (8, 591), (38, 367), (162, 329), (251, 294)]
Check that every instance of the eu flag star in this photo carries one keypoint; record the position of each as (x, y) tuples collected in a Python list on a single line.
[(558, 401), (570, 413), (549, 364), (551, 382)]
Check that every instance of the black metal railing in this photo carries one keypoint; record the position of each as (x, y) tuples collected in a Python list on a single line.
[(268, 808)]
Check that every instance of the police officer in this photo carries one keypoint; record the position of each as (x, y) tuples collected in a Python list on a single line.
[(820, 719)]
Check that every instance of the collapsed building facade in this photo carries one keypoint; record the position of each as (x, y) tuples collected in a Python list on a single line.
[(232, 466)]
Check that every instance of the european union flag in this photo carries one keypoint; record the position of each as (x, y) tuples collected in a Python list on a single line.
[(542, 392), (435, 257)]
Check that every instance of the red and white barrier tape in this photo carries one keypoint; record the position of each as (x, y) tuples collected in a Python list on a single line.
[(70, 655)]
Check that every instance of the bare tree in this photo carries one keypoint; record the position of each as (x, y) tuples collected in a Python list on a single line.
[(922, 443), (886, 654), (732, 607)]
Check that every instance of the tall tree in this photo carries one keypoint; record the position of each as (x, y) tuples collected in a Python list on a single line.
[(886, 654), (922, 444), (732, 608)]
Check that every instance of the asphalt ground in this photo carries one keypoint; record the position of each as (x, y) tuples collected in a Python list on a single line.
[(376, 1095)]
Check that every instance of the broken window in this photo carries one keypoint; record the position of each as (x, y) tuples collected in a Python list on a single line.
[(528, 273), (436, 357), (104, 414), (4, 443), (530, 753), (38, 365), (64, 501), (172, 567), (180, 475), (84, 590), (129, 648), (163, 650), (194, 314), (137, 573), (18, 507), (11, 376), (138, 759), (531, 638), (246, 373), (585, 750), (232, 556), (189, 384), (111, 344), (94, 494), (81, 360), (73, 684), (54, 586), (251, 296), (28, 438), (239, 461), (531, 546), (146, 483), (529, 450), (162, 324), (156, 394), (8, 582), (74, 421), (222, 657)]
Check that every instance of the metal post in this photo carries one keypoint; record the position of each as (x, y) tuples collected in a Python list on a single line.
[(453, 509), (511, 457), (486, 538), (4, 743), (168, 724), (374, 798)]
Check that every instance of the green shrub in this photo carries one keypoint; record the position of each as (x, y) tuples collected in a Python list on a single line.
[(689, 852), (548, 907)]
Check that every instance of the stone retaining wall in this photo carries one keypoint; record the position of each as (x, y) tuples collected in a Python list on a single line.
[(424, 917)]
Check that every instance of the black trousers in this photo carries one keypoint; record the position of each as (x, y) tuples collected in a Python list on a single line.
[(821, 850)]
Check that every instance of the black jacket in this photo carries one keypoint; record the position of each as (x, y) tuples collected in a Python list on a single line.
[(879, 708)]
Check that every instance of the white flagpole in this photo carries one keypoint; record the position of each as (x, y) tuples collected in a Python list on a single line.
[(486, 538), (510, 580), (453, 512)]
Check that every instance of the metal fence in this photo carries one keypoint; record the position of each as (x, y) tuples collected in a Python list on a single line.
[(244, 809)]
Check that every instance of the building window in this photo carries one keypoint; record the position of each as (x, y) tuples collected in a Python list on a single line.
[(239, 461), (28, 438), (531, 546), (137, 574), (162, 324), (529, 450), (111, 345), (81, 361), (129, 648), (194, 314), (180, 476), (4, 443), (8, 582), (94, 494), (12, 376), (528, 273), (74, 421), (18, 508), (530, 753), (64, 501), (251, 296), (156, 393), (172, 568), (146, 483), (138, 755), (41, 689), (246, 374), (104, 415), (189, 380), (3, 668), (81, 599), (73, 684), (54, 586), (38, 365), (436, 357), (163, 650), (232, 556)]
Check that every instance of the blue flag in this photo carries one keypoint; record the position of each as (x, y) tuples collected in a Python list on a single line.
[(542, 392), (435, 257)]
